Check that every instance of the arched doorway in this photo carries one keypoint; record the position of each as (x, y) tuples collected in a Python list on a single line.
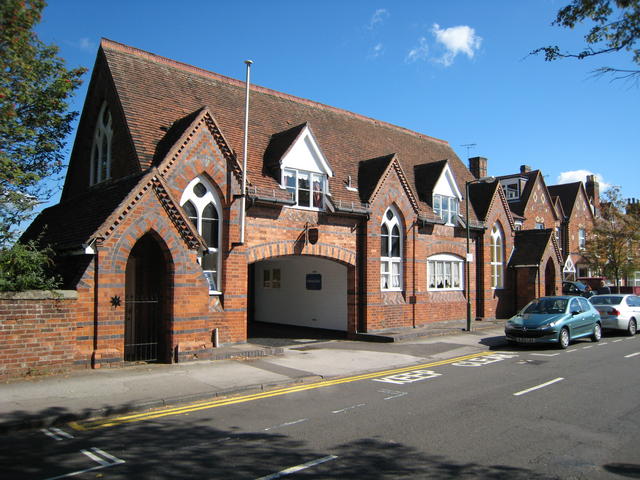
[(550, 278), (298, 291), (146, 327)]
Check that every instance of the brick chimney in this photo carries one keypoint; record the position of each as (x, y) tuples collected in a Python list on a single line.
[(525, 168), (593, 192), (478, 167)]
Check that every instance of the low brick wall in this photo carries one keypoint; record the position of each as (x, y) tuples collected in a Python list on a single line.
[(37, 332)]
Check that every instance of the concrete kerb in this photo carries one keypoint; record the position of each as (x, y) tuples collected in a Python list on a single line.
[(50, 420)]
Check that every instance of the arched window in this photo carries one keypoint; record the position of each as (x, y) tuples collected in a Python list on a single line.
[(202, 205), (390, 252), (497, 257), (101, 149), (445, 272)]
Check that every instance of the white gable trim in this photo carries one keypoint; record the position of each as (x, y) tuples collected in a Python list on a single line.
[(446, 184), (305, 154), (569, 267)]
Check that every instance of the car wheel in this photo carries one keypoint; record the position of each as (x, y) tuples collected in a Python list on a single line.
[(632, 329), (597, 333), (563, 338)]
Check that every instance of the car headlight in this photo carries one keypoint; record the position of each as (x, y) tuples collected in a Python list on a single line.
[(553, 324)]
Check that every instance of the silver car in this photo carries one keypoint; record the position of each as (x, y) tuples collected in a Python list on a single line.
[(618, 311)]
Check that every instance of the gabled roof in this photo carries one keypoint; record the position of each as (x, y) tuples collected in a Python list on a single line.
[(155, 92), (568, 194), (95, 214), (427, 176), (519, 206), (530, 246), (377, 170), (482, 196), (71, 224)]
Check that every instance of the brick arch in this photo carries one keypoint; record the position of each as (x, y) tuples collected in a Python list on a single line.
[(329, 251), (167, 240)]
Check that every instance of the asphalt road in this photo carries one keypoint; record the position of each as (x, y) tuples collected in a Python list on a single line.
[(515, 413)]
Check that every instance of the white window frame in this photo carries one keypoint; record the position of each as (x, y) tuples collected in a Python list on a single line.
[(391, 278), (636, 279), (511, 190), (539, 225), (295, 189), (442, 267), (200, 203), (582, 271), (101, 147), (496, 246), (449, 214), (582, 239)]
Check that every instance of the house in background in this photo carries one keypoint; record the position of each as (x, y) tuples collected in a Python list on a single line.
[(349, 223)]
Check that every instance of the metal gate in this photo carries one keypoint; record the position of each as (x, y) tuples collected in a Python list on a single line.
[(142, 328)]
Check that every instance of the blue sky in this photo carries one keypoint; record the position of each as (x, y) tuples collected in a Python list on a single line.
[(456, 70)]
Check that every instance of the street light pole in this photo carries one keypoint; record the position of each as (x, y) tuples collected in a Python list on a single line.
[(468, 259)]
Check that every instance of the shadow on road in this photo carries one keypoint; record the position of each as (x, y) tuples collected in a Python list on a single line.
[(183, 448)]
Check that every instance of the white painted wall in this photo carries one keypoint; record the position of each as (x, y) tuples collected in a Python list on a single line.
[(293, 304)]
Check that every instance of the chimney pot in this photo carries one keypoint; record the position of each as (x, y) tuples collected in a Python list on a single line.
[(525, 168)]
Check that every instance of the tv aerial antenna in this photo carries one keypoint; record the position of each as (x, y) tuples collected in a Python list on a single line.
[(468, 146)]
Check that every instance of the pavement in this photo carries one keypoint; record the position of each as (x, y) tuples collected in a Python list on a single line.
[(275, 357)]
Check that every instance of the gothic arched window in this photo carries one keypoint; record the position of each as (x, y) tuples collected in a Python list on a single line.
[(101, 149), (390, 252)]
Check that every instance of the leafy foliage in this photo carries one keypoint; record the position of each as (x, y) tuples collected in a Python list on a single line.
[(616, 27), (34, 121), (24, 266), (613, 249)]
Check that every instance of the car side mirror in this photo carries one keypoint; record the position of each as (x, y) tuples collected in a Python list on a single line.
[(575, 312)]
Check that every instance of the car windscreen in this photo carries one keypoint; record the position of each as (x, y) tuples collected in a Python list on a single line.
[(605, 300), (547, 305)]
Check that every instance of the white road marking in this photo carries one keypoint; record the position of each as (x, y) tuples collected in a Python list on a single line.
[(632, 355), (393, 393), (349, 408), (546, 384), (287, 424), (571, 351), (298, 468), (602, 343), (408, 377), (545, 354), (92, 455), (484, 360), (588, 346), (50, 434), (62, 433), (616, 341)]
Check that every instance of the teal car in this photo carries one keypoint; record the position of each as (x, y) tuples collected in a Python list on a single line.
[(554, 320)]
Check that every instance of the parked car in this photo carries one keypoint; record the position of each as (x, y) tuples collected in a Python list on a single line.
[(576, 288), (618, 312), (554, 320)]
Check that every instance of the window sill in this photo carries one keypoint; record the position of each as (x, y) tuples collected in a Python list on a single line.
[(445, 289), (213, 293)]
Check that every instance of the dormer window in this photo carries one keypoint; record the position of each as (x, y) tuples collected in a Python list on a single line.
[(511, 190), (306, 188), (304, 170), (101, 149), (446, 208), (446, 196)]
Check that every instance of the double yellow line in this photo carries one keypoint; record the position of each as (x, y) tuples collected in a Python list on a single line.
[(94, 424)]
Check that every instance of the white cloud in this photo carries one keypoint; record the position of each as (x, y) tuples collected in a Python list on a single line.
[(581, 176), (378, 17), (84, 44), (376, 51), (455, 40), (421, 52)]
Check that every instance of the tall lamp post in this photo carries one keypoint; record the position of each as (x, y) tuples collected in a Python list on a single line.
[(468, 260)]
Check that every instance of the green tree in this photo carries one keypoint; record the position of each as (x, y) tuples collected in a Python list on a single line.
[(612, 249), (34, 119), (615, 27), (26, 266)]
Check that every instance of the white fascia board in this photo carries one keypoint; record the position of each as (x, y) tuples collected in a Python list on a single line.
[(305, 154), (446, 184)]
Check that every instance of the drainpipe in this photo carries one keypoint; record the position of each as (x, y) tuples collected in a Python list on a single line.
[(244, 154)]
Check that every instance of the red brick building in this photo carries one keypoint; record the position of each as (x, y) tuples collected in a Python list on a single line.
[(349, 223)]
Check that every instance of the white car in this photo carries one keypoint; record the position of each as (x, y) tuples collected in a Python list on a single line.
[(618, 311)]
